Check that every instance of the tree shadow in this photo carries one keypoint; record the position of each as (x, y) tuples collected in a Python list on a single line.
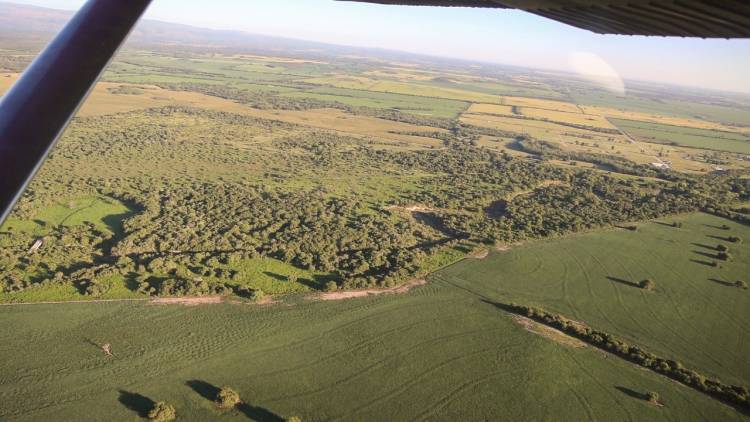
[(275, 276), (138, 403), (701, 245), (632, 393), (722, 282), (131, 281), (706, 263), (723, 239), (717, 227), (625, 282), (706, 254), (206, 390), (259, 414)]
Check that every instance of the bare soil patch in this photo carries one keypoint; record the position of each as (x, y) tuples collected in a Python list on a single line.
[(547, 332), (479, 253), (186, 301), (351, 294)]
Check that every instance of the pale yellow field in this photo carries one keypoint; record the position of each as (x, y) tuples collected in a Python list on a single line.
[(538, 129), (655, 118), (394, 87), (545, 104), (501, 110), (102, 102), (565, 117)]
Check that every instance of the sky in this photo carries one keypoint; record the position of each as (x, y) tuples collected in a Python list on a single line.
[(495, 36)]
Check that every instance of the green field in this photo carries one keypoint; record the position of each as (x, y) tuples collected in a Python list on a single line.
[(692, 316), (405, 103), (434, 354), (683, 136)]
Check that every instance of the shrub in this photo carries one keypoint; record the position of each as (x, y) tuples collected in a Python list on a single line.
[(741, 284), (227, 398), (734, 239), (293, 419), (162, 412), (652, 397), (722, 248), (331, 286), (647, 284), (257, 295), (724, 256)]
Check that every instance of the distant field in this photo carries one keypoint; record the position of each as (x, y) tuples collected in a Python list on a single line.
[(682, 109), (434, 354), (397, 87), (689, 137), (405, 103), (693, 315)]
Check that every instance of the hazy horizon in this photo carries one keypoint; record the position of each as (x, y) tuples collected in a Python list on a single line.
[(490, 36)]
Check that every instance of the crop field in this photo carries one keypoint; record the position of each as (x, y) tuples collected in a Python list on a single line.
[(695, 314), (690, 137), (405, 103), (434, 354)]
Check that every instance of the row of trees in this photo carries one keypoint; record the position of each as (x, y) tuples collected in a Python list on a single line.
[(735, 394)]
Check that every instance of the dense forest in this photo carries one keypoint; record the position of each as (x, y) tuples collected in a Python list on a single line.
[(204, 194)]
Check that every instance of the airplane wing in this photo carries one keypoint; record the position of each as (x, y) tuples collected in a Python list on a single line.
[(39, 106), (682, 18)]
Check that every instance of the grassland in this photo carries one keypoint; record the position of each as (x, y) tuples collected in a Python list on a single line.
[(435, 354), (689, 137), (695, 314)]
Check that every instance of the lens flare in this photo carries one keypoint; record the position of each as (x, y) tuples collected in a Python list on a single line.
[(596, 70)]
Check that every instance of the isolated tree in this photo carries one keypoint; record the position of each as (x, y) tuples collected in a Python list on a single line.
[(647, 284), (652, 397), (162, 412), (257, 295), (227, 398), (292, 278), (331, 286), (724, 256), (722, 248), (741, 284)]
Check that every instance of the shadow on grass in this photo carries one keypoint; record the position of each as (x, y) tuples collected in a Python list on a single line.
[(259, 414), (701, 245), (723, 239), (632, 393), (722, 282), (275, 276), (663, 224), (706, 263), (625, 282), (206, 390), (209, 392), (138, 403), (706, 254)]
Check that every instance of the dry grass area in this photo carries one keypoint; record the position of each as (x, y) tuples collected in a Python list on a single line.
[(370, 292), (577, 118), (656, 118), (543, 104), (187, 301), (547, 332), (102, 102)]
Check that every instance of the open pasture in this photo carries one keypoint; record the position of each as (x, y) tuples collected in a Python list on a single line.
[(404, 103), (684, 136), (437, 353), (695, 314)]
